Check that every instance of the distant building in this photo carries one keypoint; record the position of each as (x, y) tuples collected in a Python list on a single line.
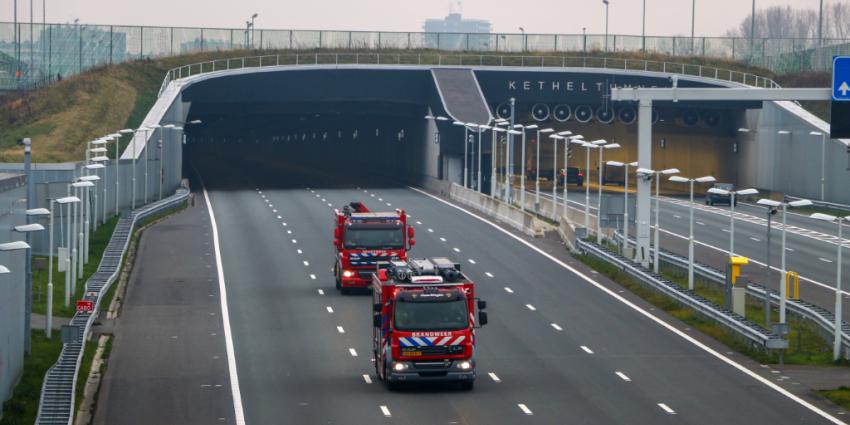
[(450, 33), (454, 22)]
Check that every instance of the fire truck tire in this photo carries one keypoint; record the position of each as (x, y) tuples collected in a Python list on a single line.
[(392, 386), (467, 385)]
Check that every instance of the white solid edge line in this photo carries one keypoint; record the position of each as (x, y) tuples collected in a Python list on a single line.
[(643, 312), (385, 411), (524, 409), (238, 413)]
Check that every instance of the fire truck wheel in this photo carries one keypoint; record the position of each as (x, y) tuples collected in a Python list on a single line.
[(392, 386), (467, 385)]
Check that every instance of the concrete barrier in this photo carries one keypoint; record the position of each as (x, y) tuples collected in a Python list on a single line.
[(523, 221)]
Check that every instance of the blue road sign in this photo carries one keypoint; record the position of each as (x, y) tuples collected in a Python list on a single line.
[(841, 78)]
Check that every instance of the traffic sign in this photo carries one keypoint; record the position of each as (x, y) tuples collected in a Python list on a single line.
[(841, 78)]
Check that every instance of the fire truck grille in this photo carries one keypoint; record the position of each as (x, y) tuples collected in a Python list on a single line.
[(437, 350)]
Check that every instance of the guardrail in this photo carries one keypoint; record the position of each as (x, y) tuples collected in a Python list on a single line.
[(824, 204), (414, 59), (824, 318), (735, 322), (58, 390)]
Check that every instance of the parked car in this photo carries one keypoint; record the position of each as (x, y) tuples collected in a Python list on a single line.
[(714, 198)]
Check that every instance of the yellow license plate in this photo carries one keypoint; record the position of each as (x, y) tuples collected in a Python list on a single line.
[(412, 353)]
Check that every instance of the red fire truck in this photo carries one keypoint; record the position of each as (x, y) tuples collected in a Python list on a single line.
[(424, 322), (363, 238)]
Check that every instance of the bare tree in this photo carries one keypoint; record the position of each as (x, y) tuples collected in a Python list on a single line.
[(788, 22)]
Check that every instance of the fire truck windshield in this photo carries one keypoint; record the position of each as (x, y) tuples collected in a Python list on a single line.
[(423, 315), (374, 237)]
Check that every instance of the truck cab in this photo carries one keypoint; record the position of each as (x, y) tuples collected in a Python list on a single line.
[(424, 322), (363, 238)]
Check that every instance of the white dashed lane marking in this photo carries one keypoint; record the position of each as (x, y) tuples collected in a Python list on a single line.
[(367, 378), (442, 239), (509, 290), (494, 377), (330, 309), (530, 307), (586, 350), (471, 261), (306, 263), (824, 260), (312, 276), (666, 408), (386, 411), (353, 352), (623, 376), (340, 329), (456, 249), (489, 274), (557, 328), (525, 409), (321, 291)]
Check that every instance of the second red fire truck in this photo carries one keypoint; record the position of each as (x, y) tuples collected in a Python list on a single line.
[(424, 322), (363, 238)]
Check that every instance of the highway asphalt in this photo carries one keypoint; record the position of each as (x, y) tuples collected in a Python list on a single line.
[(559, 348), (168, 363), (811, 248)]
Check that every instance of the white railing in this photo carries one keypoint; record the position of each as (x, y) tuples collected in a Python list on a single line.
[(415, 59)]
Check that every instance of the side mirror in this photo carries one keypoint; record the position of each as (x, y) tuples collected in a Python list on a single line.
[(376, 320), (482, 318), (376, 308), (482, 304), (410, 232), (411, 241)]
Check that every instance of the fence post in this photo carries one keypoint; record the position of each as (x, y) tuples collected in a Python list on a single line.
[(80, 51), (171, 39), (202, 41), (110, 45), (320, 39), (278, 60), (261, 39), (408, 41), (141, 42), (290, 40), (243, 62)]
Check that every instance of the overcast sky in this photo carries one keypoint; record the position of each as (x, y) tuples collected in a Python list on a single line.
[(664, 17)]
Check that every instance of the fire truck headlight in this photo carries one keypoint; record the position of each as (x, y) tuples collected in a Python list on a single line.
[(465, 365), (347, 273), (399, 366)]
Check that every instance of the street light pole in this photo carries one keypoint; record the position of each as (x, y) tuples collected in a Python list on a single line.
[(49, 325), (822, 163), (678, 179), (606, 24), (643, 28), (693, 23), (537, 171), (836, 343), (658, 174), (602, 148), (555, 138)]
